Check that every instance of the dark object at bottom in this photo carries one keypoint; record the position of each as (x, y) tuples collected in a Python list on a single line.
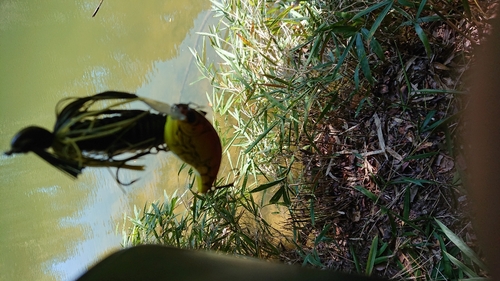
[(151, 262)]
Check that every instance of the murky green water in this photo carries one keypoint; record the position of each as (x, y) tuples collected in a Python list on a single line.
[(51, 227)]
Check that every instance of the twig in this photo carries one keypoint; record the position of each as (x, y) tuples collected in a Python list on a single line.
[(97, 9)]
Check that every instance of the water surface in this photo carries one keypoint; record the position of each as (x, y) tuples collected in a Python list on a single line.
[(52, 227)]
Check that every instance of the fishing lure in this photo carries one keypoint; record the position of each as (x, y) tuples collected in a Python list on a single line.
[(96, 131), (193, 139)]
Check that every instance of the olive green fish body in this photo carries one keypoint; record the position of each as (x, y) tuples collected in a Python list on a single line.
[(191, 137)]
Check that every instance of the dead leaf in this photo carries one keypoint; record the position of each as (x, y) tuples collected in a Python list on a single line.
[(424, 145), (446, 164), (440, 66), (356, 216)]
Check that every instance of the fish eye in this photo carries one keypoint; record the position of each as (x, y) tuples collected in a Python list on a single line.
[(191, 115)]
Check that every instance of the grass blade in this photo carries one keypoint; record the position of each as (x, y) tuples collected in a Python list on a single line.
[(379, 20), (267, 185), (371, 256), (369, 10), (366, 192), (460, 265), (461, 245), (363, 59), (420, 8), (423, 37), (261, 136)]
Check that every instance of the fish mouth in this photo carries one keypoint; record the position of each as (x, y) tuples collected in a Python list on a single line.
[(179, 111)]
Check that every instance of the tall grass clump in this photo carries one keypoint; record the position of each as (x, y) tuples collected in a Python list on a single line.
[(276, 66), (342, 117), (221, 222)]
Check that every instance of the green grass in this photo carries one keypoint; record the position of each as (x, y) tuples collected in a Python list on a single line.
[(339, 123), (223, 222)]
